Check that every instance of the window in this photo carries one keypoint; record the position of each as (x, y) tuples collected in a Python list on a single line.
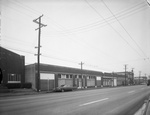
[(80, 76), (71, 76), (63, 76), (75, 76), (14, 78), (59, 75), (67, 76)]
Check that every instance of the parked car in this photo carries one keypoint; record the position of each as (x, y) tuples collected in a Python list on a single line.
[(148, 82), (64, 88)]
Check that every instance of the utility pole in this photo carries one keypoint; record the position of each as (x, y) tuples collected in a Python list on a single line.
[(81, 69), (139, 77), (81, 64), (38, 21), (132, 76), (113, 79), (145, 79), (125, 72)]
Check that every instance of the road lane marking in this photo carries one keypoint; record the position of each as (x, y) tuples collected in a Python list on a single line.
[(131, 91), (94, 102)]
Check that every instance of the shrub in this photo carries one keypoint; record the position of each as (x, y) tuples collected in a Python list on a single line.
[(18, 85)]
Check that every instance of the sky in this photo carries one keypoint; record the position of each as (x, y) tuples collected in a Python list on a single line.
[(105, 35)]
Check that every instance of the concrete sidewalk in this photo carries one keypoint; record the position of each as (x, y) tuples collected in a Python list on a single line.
[(19, 92)]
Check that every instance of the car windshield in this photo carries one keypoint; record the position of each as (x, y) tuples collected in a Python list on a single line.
[(65, 86)]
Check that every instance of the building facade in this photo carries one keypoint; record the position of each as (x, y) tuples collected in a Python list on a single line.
[(109, 80), (127, 76), (140, 80), (52, 76), (12, 66)]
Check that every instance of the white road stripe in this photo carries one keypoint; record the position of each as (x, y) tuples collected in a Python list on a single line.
[(131, 91), (94, 102)]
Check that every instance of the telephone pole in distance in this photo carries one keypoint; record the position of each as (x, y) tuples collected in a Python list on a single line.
[(125, 74), (132, 75), (81, 67)]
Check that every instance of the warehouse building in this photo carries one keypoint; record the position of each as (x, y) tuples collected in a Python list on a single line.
[(52, 76), (109, 80), (127, 78), (12, 66)]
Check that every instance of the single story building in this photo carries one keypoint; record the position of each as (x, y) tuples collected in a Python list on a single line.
[(127, 76), (109, 80), (52, 76), (140, 80)]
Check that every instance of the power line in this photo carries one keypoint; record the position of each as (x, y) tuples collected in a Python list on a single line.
[(33, 10), (18, 49), (27, 8), (13, 39), (123, 27), (98, 23), (75, 29), (63, 28), (19, 11), (57, 58), (112, 27)]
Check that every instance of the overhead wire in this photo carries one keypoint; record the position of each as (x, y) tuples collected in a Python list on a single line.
[(15, 39), (123, 27), (110, 19), (63, 29), (16, 49), (75, 29), (84, 42), (112, 27), (20, 12)]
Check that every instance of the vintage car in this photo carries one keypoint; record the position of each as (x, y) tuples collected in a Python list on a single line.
[(148, 82), (63, 88)]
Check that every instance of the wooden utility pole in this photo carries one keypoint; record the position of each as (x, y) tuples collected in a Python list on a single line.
[(81, 64), (139, 77), (125, 74), (81, 67), (132, 76), (38, 21)]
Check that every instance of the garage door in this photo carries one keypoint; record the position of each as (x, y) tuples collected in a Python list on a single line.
[(90, 82), (46, 81)]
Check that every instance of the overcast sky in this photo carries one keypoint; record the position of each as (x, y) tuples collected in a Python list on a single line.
[(103, 34)]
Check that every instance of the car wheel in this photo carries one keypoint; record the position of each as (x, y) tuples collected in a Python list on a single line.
[(62, 90)]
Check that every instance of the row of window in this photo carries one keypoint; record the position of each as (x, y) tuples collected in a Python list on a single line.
[(68, 76), (14, 78)]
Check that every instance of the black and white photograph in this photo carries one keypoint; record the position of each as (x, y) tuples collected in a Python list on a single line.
[(74, 57)]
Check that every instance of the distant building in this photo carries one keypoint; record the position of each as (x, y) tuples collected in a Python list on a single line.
[(12, 66), (128, 77), (140, 80)]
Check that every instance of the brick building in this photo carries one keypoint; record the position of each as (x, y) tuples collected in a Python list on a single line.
[(12, 66)]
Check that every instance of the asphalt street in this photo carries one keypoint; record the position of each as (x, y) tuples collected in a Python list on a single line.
[(86, 102)]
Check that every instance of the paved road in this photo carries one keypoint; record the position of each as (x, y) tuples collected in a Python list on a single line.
[(87, 102)]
